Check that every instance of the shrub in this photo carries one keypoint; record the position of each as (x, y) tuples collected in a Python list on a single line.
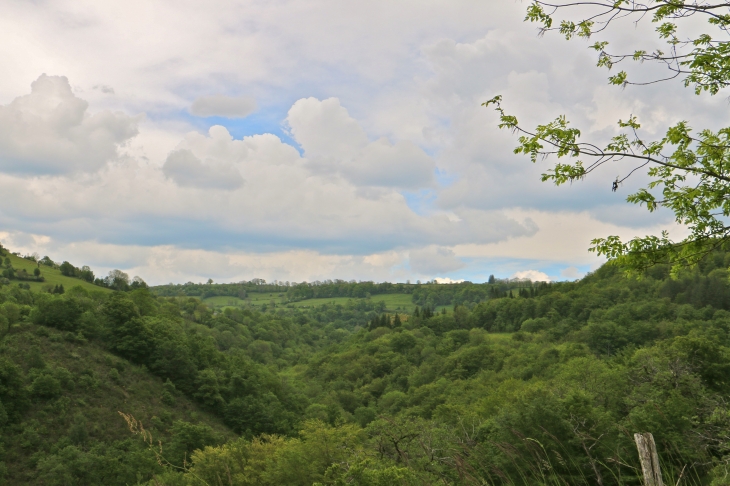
[(46, 386), (60, 313), (114, 375)]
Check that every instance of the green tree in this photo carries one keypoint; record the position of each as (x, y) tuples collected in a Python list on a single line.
[(12, 392), (86, 274), (58, 312), (688, 170), (46, 386), (187, 438), (67, 269), (119, 309), (117, 280)]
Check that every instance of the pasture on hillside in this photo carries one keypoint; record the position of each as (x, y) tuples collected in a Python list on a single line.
[(52, 276)]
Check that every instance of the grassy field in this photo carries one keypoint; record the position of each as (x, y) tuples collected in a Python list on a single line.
[(224, 301), (53, 277), (393, 302), (221, 302)]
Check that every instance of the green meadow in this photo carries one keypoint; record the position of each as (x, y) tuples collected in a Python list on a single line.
[(52, 276)]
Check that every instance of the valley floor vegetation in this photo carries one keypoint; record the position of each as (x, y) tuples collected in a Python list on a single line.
[(515, 384)]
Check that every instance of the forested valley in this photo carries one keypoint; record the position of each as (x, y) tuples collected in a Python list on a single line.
[(502, 383)]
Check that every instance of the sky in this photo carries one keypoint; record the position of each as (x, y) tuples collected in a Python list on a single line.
[(308, 140)]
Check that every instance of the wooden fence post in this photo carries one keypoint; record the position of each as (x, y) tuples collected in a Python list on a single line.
[(649, 459)]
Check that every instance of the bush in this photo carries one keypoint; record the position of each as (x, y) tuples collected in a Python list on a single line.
[(3, 415), (188, 437), (114, 375), (60, 313), (167, 398), (46, 386), (79, 430)]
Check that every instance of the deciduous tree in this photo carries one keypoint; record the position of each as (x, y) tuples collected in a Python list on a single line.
[(688, 170)]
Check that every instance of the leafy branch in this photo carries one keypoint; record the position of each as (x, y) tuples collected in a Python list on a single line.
[(703, 59), (692, 174)]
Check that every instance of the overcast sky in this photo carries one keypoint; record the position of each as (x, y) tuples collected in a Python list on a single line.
[(306, 139)]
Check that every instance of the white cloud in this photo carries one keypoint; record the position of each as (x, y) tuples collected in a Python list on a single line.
[(563, 236), (447, 280), (325, 128), (335, 143), (402, 164), (225, 106), (412, 77), (434, 260), (187, 170), (108, 90), (571, 273), (534, 275), (282, 205), (160, 264), (50, 131)]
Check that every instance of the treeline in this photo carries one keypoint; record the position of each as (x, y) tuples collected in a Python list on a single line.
[(209, 289), (11, 273), (341, 288), (292, 291), (116, 279), (428, 294), (466, 293)]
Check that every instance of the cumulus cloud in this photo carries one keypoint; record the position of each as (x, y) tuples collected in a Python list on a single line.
[(224, 106), (402, 164), (325, 128), (160, 264), (571, 273), (187, 170), (408, 101), (335, 143), (50, 131), (104, 89), (434, 260), (215, 160), (534, 275)]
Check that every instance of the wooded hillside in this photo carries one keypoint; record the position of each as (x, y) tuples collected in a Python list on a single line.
[(536, 384)]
